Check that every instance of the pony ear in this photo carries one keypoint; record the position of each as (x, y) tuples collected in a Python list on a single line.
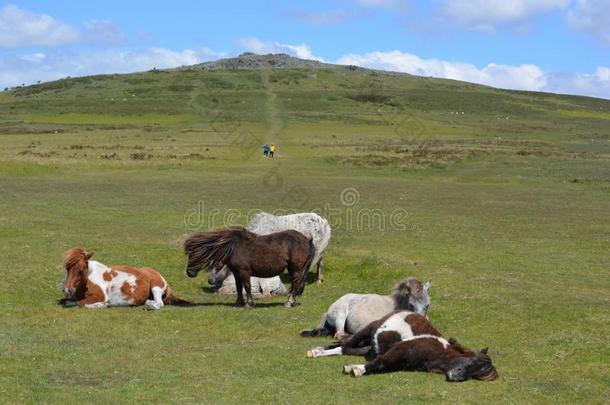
[(428, 284), (88, 255), (484, 351)]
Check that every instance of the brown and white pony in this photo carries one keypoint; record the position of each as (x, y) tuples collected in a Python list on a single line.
[(91, 284), (247, 254), (407, 341)]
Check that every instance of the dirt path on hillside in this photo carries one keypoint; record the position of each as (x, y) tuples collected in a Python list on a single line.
[(273, 115)]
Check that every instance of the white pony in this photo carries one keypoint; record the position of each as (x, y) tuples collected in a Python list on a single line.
[(309, 224), (223, 282), (352, 312)]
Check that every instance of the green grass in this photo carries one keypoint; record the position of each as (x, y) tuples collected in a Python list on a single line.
[(77, 118), (510, 219)]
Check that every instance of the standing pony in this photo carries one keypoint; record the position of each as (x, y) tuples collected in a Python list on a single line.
[(91, 284), (404, 340), (223, 282), (352, 312), (247, 254), (309, 224)]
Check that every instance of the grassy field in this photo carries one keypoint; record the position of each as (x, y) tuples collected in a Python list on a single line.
[(502, 198)]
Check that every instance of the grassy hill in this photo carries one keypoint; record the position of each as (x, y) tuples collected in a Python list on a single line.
[(501, 197)]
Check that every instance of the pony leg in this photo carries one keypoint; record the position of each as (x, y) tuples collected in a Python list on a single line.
[(294, 286), (239, 285), (337, 351), (340, 320), (157, 301), (324, 351), (248, 288), (319, 275), (96, 305), (395, 359), (356, 370), (291, 301), (93, 301)]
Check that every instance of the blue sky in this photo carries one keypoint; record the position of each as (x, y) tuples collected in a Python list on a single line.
[(544, 45)]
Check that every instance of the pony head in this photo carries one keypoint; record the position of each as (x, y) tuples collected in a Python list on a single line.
[(75, 262), (217, 276), (475, 366), (211, 250), (411, 294)]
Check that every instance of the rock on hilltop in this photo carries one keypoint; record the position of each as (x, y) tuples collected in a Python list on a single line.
[(252, 61)]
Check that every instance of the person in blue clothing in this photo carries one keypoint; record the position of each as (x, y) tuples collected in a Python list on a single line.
[(265, 150)]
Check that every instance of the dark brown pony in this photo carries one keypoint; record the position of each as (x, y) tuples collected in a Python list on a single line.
[(404, 340), (247, 254)]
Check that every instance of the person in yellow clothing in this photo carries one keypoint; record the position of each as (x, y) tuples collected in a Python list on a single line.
[(271, 150)]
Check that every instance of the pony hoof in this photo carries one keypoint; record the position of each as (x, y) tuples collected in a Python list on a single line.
[(309, 354), (356, 372), (249, 305), (151, 305), (347, 369), (239, 304)]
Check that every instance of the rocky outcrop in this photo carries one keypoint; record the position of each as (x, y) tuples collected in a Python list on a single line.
[(252, 61)]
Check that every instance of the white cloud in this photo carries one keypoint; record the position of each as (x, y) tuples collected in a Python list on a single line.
[(522, 77), (487, 15), (595, 84), (255, 45), (21, 28), (591, 16), (29, 68)]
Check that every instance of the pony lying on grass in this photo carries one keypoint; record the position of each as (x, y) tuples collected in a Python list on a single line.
[(352, 312), (311, 225), (223, 282), (247, 254), (407, 341), (91, 284)]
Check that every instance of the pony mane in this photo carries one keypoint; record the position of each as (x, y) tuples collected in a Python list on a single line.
[(404, 289), (213, 249), (488, 372), (73, 256)]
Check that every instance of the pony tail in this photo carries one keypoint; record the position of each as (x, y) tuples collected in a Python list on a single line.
[(322, 330), (171, 299), (310, 257)]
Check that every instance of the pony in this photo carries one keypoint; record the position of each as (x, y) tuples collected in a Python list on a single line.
[(91, 284), (247, 254), (352, 312), (309, 224), (404, 340), (223, 282)]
